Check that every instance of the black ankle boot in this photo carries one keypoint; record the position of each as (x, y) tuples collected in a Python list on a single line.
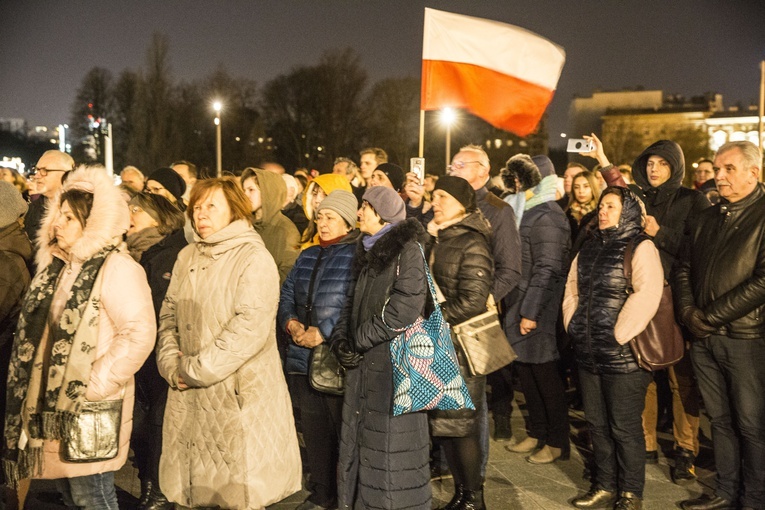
[(146, 485), (157, 501), (459, 491), (472, 500)]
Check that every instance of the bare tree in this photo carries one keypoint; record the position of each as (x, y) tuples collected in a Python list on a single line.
[(392, 112)]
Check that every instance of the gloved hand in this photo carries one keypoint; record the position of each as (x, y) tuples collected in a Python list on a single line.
[(696, 322), (346, 356)]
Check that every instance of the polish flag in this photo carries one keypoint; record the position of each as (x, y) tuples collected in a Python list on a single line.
[(502, 73)]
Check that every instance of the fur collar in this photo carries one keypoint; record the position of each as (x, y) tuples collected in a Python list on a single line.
[(388, 247), (109, 218)]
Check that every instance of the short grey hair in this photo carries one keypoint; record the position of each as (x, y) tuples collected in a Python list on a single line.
[(482, 156), (751, 153), (352, 167)]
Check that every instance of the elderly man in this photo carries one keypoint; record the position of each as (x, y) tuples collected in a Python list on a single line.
[(348, 169), (48, 174), (133, 178), (720, 287)]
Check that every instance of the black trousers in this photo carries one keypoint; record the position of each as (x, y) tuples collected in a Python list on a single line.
[(320, 421), (545, 402)]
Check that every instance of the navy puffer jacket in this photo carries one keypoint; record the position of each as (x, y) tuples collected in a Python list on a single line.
[(333, 275), (603, 291)]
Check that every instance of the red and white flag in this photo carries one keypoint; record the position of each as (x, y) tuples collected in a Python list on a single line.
[(502, 73)]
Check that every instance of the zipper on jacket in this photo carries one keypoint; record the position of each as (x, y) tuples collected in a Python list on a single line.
[(589, 301)]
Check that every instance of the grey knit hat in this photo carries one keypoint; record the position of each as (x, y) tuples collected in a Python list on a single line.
[(343, 203), (386, 203), (12, 205)]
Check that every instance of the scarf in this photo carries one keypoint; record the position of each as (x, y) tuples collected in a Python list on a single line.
[(434, 228), (51, 400), (141, 241), (518, 202), (543, 192), (578, 211), (370, 241)]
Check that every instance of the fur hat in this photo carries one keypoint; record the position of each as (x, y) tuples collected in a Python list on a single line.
[(173, 182), (460, 189), (395, 174), (343, 203), (386, 203), (12, 205), (523, 168)]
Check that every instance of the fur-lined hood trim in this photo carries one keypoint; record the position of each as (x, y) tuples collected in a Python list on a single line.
[(109, 218), (389, 246), (523, 168)]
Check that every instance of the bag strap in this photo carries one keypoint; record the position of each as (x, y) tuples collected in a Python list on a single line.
[(312, 281), (430, 286), (629, 250)]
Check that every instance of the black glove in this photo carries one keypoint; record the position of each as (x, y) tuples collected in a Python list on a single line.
[(696, 322), (345, 354)]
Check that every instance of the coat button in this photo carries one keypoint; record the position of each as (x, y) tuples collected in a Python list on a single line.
[(188, 327)]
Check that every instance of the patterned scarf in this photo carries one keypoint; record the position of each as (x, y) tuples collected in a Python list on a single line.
[(50, 400)]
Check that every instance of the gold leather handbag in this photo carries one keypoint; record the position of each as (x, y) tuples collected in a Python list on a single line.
[(483, 341), (94, 435)]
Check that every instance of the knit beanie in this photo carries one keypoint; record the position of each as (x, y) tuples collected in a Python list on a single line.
[(395, 174), (460, 189), (173, 182), (544, 165), (12, 205), (386, 203), (343, 203)]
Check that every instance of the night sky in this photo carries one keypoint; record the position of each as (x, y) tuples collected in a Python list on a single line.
[(680, 46)]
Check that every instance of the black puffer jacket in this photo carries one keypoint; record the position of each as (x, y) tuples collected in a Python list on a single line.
[(723, 273), (673, 206), (383, 460), (602, 293)]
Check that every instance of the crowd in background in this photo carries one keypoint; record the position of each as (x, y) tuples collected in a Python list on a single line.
[(201, 304)]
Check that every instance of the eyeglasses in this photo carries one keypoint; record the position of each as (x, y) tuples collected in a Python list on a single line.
[(459, 165), (135, 209), (43, 172)]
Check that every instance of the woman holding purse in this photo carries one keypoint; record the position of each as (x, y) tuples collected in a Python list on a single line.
[(462, 267)]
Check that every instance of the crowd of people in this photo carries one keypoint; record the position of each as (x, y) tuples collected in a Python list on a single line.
[(191, 313)]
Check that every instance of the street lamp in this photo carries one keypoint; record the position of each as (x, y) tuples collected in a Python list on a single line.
[(448, 117), (218, 158)]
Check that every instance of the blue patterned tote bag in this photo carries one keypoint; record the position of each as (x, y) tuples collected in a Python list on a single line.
[(426, 373)]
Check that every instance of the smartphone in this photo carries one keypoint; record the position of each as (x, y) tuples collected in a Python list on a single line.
[(580, 145), (417, 167)]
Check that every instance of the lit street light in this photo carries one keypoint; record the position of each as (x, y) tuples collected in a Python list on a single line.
[(218, 158), (448, 117)]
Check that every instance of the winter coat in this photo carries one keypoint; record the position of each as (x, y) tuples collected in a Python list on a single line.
[(229, 440), (723, 271), (462, 266), (545, 239), (383, 460), (294, 212), (333, 276), (673, 206), (126, 329), (505, 242), (279, 234), (598, 312)]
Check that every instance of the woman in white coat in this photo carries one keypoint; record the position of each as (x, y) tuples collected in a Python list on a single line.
[(229, 437)]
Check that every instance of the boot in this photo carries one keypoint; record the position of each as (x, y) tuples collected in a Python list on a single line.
[(157, 500), (459, 491), (628, 501), (595, 498), (548, 455), (472, 500), (502, 431), (146, 485), (528, 445), (684, 471)]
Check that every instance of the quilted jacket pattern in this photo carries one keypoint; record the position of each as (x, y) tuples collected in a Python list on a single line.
[(230, 439)]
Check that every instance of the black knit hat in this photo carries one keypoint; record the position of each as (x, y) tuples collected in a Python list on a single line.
[(173, 182), (395, 174), (459, 188)]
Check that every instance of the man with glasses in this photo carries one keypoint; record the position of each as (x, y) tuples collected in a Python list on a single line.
[(47, 176)]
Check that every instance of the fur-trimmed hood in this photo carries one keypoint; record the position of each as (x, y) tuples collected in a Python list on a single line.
[(109, 218), (388, 247)]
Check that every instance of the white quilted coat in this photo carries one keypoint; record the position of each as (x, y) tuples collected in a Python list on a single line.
[(230, 439)]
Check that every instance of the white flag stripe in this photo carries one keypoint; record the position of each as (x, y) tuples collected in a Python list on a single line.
[(500, 47)]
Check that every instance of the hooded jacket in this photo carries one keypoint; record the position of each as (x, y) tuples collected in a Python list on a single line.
[(328, 183), (673, 206), (15, 254), (598, 312), (279, 234)]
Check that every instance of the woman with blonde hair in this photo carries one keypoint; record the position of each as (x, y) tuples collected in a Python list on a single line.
[(583, 201)]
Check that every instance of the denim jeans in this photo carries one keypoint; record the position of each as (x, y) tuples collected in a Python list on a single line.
[(613, 408), (92, 492), (732, 382)]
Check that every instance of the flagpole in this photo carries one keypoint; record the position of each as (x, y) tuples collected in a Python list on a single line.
[(422, 134)]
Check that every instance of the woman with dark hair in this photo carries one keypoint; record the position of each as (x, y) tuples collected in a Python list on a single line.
[(463, 268), (316, 190), (583, 201), (311, 300), (229, 436), (383, 461), (155, 237), (84, 331), (602, 312)]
